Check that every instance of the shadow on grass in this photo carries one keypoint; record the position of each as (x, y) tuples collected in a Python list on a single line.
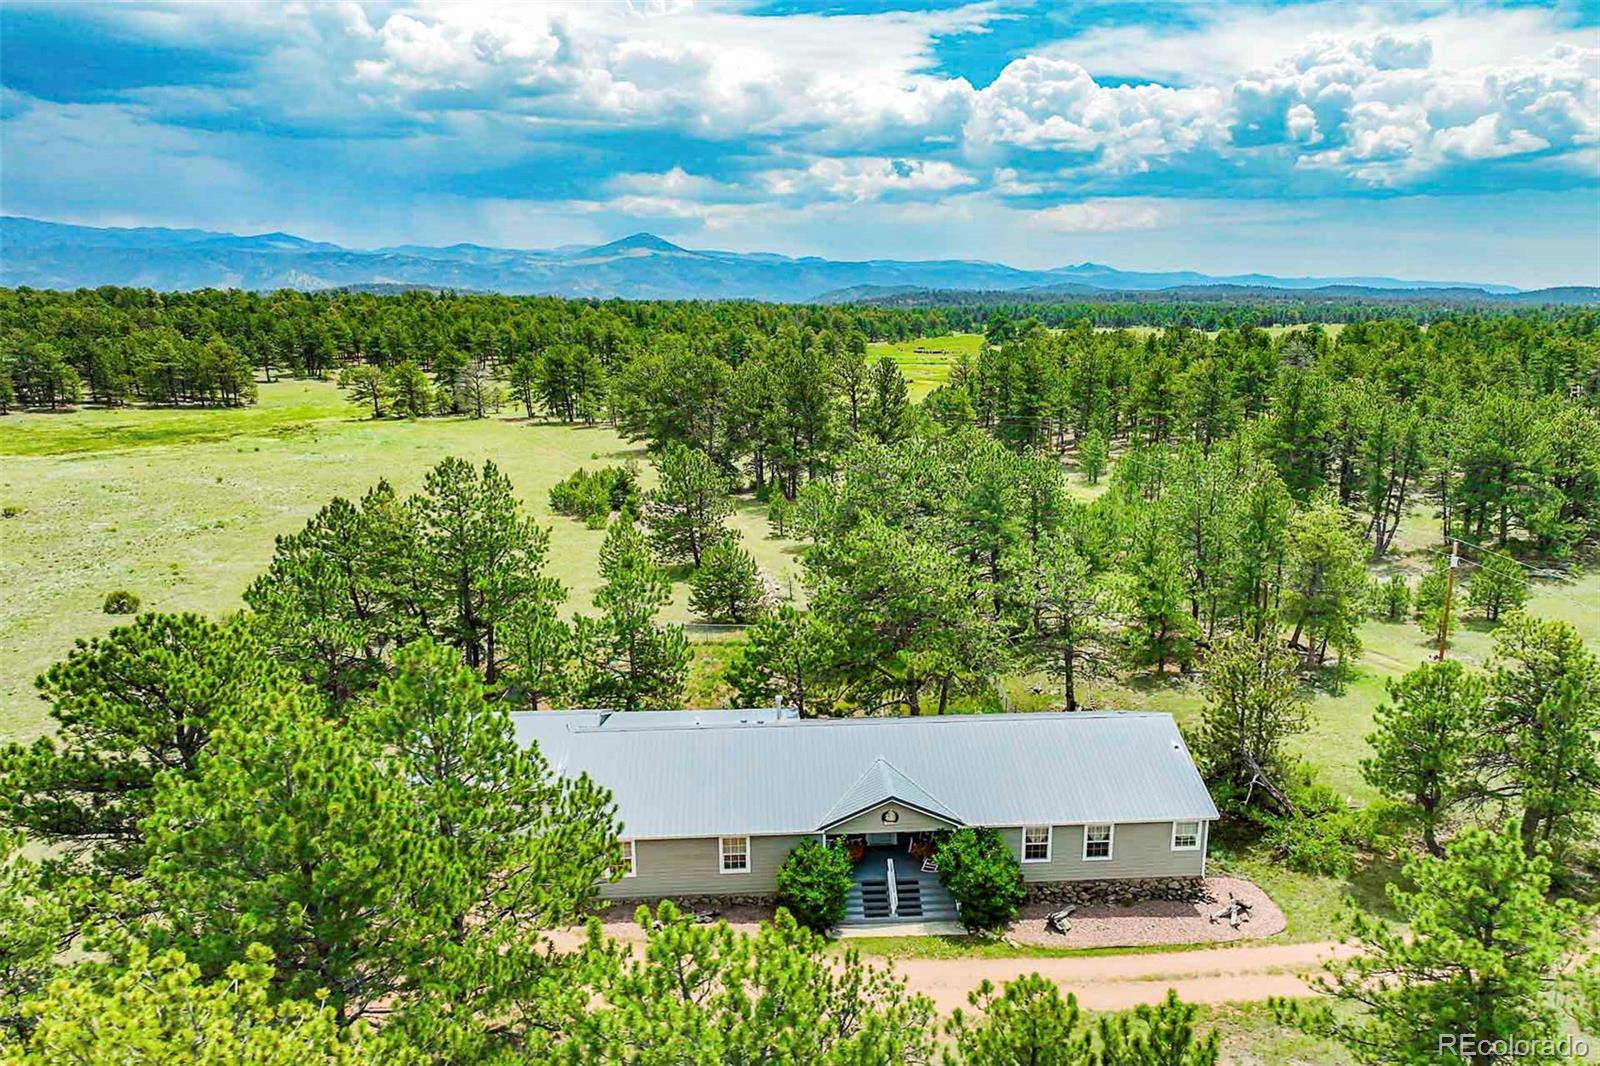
[(1368, 885)]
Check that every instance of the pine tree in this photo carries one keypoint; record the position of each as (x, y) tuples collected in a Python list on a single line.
[(134, 706), (1160, 630), (1065, 605), (159, 1008), (366, 386), (1422, 742), (786, 655), (34, 927), (1325, 588), (771, 996), (1253, 706), (1498, 587), (412, 396), (1161, 1035), (623, 659), (888, 402), (479, 558), (1540, 731), (686, 511), (340, 595), (727, 587), (1474, 965), (1026, 1021), (404, 859)]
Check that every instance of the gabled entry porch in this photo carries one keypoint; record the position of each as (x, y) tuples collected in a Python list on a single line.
[(891, 887)]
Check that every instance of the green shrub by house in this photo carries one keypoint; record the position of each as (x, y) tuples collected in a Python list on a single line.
[(813, 883), (984, 877)]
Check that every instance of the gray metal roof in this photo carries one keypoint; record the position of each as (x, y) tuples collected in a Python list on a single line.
[(711, 773)]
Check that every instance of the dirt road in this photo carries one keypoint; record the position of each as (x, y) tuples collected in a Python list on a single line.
[(1116, 982)]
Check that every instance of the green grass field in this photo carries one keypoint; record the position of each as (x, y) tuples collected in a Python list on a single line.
[(926, 361), (181, 508)]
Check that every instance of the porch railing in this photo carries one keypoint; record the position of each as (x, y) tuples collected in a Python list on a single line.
[(894, 892)]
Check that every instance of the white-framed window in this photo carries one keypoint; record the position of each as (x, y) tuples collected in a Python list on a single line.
[(1036, 843), (629, 862), (1185, 836), (735, 854), (1097, 842)]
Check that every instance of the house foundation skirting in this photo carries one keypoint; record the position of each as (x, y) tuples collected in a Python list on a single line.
[(1181, 889)]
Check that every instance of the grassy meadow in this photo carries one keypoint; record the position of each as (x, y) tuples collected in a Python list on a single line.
[(926, 361), (181, 508)]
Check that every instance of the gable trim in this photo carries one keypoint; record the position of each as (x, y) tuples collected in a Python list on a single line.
[(953, 822)]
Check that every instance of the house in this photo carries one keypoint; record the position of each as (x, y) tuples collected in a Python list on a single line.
[(711, 802)]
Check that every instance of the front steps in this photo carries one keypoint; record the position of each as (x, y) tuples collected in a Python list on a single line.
[(921, 900)]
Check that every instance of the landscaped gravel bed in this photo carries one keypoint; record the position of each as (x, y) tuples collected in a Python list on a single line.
[(1154, 921)]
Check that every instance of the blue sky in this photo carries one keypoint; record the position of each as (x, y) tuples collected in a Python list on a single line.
[(1456, 141)]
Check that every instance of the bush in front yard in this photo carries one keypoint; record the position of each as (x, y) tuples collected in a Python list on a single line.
[(813, 883), (984, 877)]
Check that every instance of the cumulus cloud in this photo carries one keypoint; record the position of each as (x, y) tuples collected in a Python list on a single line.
[(1102, 216), (1039, 103), (659, 110), (1378, 112), (865, 179)]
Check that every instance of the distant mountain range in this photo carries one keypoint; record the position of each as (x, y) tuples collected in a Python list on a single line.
[(53, 255)]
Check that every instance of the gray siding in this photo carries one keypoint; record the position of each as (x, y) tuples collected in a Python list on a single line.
[(693, 868), (1139, 849), (872, 821)]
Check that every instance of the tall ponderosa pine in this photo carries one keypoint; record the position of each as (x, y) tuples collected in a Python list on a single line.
[(1066, 605), (457, 562), (1539, 744), (1325, 585), (1479, 958), (480, 558), (888, 402), (1423, 740), (686, 511), (902, 613), (624, 659), (1498, 587), (1254, 704), (1160, 629), (343, 593), (140, 703), (788, 656), (404, 861)]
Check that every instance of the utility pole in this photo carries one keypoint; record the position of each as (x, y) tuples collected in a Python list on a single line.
[(1449, 594)]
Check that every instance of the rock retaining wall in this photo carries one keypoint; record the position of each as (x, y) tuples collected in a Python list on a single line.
[(697, 903), (1082, 893)]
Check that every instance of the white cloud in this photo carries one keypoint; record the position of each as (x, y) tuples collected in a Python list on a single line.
[(1103, 216), (1041, 103), (865, 179)]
